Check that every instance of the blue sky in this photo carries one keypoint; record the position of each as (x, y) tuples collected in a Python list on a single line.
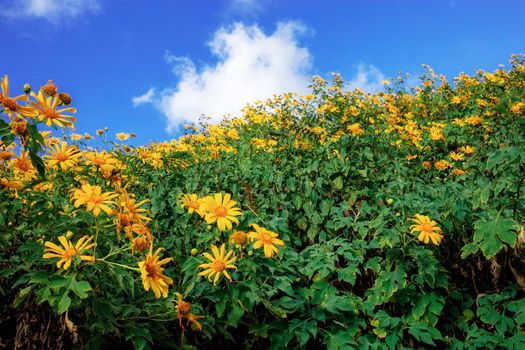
[(148, 66)]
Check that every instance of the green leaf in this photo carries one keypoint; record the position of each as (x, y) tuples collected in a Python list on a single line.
[(22, 295), (81, 288), (63, 303), (490, 235), (422, 332), (235, 314)]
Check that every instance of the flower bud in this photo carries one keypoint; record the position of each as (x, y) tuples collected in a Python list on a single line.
[(64, 98), (27, 88)]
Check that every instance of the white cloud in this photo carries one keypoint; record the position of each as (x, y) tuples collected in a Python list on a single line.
[(51, 10), (368, 79), (146, 98), (250, 66)]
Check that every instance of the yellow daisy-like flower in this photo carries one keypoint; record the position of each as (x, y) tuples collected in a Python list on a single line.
[(468, 150), (94, 199), (218, 264), (63, 156), (266, 239), (152, 274), (428, 229), (10, 104), (193, 203), (67, 252), (355, 129), (101, 160), (122, 136), (442, 165), (24, 165), (221, 209), (46, 107), (455, 156)]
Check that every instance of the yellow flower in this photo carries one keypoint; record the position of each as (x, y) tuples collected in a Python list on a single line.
[(48, 113), (11, 106), (355, 129), (218, 263), (152, 274), (442, 165), (184, 311), (94, 199), (456, 156), (459, 172), (221, 210), (62, 155), (122, 136), (266, 239), (102, 161), (24, 165), (517, 108), (76, 137), (193, 203), (428, 229), (68, 252), (468, 150)]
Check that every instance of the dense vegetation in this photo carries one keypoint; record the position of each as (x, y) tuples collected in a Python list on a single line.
[(339, 219)]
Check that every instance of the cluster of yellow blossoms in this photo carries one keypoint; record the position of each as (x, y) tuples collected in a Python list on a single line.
[(221, 209)]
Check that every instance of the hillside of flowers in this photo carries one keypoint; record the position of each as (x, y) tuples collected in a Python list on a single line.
[(339, 220)]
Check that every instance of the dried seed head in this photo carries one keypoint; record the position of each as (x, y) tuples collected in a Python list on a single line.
[(19, 127), (50, 88)]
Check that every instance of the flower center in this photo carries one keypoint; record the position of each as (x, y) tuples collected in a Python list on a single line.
[(70, 253), (23, 165), (220, 211), (266, 238), (218, 265), (96, 199), (10, 103), (51, 113), (427, 227), (152, 270), (61, 157), (184, 307), (99, 161)]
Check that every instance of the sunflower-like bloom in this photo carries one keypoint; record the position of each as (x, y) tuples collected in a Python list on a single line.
[(122, 136), (221, 209), (68, 252), (266, 239), (218, 264), (102, 160), (184, 311), (129, 213), (62, 156), (428, 229), (152, 274), (10, 104), (94, 199), (46, 107), (24, 166), (193, 203)]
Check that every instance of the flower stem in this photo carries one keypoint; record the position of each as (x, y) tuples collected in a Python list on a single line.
[(120, 265)]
